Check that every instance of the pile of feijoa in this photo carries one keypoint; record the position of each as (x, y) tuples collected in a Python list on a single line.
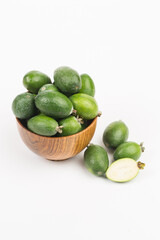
[(124, 167), (64, 107)]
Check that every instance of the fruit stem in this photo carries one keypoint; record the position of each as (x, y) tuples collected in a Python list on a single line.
[(59, 129), (74, 112), (79, 119), (141, 165), (142, 147), (99, 114)]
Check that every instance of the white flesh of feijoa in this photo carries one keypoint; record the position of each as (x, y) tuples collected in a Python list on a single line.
[(122, 170)]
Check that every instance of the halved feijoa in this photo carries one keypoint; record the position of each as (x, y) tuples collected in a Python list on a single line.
[(96, 159), (128, 150), (124, 170), (115, 134)]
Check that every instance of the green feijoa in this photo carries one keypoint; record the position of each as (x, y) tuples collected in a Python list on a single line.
[(43, 125), (115, 134), (34, 80), (96, 159), (85, 105), (67, 80), (70, 126), (54, 104), (88, 86), (23, 106), (128, 150), (124, 170), (48, 87)]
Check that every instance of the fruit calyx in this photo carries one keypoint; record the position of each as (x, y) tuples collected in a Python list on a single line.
[(142, 147), (79, 119), (59, 129), (99, 114), (74, 112), (140, 165)]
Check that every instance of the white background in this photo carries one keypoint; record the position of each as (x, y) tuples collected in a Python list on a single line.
[(117, 43)]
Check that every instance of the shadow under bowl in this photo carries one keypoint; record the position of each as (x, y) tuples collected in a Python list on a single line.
[(56, 148)]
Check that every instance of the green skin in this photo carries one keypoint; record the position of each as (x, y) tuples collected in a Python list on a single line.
[(67, 80), (88, 86), (115, 134), (48, 87), (70, 126), (34, 80), (96, 160), (54, 104), (23, 106), (85, 105), (128, 150), (43, 125)]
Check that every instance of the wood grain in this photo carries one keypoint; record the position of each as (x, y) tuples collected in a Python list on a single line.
[(57, 148)]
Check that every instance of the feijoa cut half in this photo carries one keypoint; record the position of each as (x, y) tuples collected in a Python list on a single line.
[(96, 159), (124, 170), (115, 134), (128, 150)]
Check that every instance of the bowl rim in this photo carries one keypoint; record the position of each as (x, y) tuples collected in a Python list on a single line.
[(90, 125)]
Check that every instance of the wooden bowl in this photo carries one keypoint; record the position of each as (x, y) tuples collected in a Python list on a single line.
[(57, 148)]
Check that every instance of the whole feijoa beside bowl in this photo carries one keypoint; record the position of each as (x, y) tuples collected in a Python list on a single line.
[(96, 159), (115, 133), (128, 150)]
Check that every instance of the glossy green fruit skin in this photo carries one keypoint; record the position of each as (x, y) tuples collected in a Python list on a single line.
[(88, 86), (34, 80), (85, 105), (23, 106), (67, 80), (48, 87), (128, 150), (70, 126), (42, 125), (54, 104), (115, 134), (96, 160)]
